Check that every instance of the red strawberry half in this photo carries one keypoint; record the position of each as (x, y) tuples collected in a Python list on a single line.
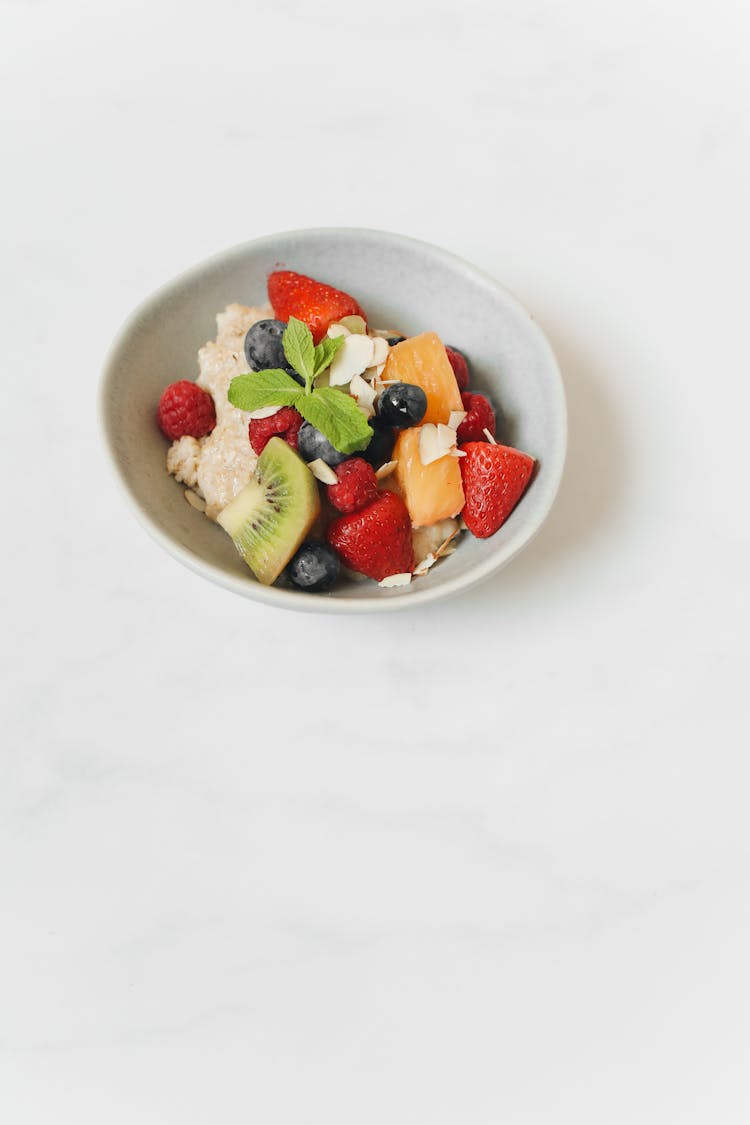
[(494, 479), (376, 540), (316, 304)]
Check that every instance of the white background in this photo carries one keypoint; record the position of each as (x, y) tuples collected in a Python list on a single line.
[(484, 864)]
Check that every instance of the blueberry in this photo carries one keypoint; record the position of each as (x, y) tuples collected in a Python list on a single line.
[(315, 567), (311, 445), (264, 349), (402, 405), (393, 340), (381, 443)]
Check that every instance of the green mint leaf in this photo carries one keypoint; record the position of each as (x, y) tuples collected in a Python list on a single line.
[(336, 415), (299, 349), (273, 387), (325, 352)]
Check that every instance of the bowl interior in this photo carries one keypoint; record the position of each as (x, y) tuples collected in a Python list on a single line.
[(402, 284)]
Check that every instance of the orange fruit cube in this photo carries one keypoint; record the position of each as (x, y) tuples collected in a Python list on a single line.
[(431, 492), (423, 361)]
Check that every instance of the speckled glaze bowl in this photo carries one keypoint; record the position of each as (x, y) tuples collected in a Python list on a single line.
[(401, 283)]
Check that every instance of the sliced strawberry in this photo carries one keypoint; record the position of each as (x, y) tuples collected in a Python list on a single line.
[(316, 304), (376, 540), (494, 478)]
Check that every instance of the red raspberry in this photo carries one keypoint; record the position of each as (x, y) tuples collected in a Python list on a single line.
[(284, 423), (356, 487), (460, 367), (186, 409), (479, 417)]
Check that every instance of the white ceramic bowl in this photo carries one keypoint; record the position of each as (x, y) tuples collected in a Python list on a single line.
[(400, 283)]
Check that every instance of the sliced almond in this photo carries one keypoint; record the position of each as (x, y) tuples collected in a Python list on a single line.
[(489, 436), (385, 470), (362, 391), (322, 471), (336, 330), (436, 442), (445, 547), (431, 448), (396, 580), (354, 324), (264, 412), (380, 350), (195, 501), (456, 418), (424, 566), (352, 358)]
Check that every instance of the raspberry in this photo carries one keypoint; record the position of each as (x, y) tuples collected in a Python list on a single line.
[(479, 417), (284, 423), (356, 487), (460, 367), (185, 409)]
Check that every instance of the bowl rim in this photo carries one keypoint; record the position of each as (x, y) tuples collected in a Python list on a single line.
[(296, 599)]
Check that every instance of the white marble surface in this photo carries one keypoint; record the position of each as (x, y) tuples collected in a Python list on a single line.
[(487, 864)]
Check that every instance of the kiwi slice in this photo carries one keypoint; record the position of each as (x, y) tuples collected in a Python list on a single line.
[(274, 512)]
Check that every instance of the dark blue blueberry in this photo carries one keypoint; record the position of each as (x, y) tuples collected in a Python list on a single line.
[(393, 340), (315, 567), (264, 349), (311, 445), (402, 405), (381, 443)]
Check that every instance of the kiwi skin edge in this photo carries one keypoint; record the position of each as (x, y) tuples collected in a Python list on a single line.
[(269, 519)]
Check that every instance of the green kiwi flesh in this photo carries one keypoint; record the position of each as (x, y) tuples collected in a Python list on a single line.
[(269, 519)]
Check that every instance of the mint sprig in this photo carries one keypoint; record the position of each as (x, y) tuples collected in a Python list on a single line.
[(330, 410), (272, 387), (336, 414)]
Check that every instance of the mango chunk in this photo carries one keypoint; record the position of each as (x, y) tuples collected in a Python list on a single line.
[(431, 492), (422, 360)]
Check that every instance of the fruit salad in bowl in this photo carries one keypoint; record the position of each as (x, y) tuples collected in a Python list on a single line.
[(326, 446), (372, 423)]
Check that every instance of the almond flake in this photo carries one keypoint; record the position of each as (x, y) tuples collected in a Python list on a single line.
[(362, 391), (456, 418), (431, 448), (352, 358), (385, 470), (396, 580), (424, 566), (336, 330), (354, 324), (195, 501), (445, 547), (322, 472), (384, 333), (264, 412), (380, 350)]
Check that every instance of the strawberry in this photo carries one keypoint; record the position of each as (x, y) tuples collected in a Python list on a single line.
[(494, 478), (316, 304), (376, 540)]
